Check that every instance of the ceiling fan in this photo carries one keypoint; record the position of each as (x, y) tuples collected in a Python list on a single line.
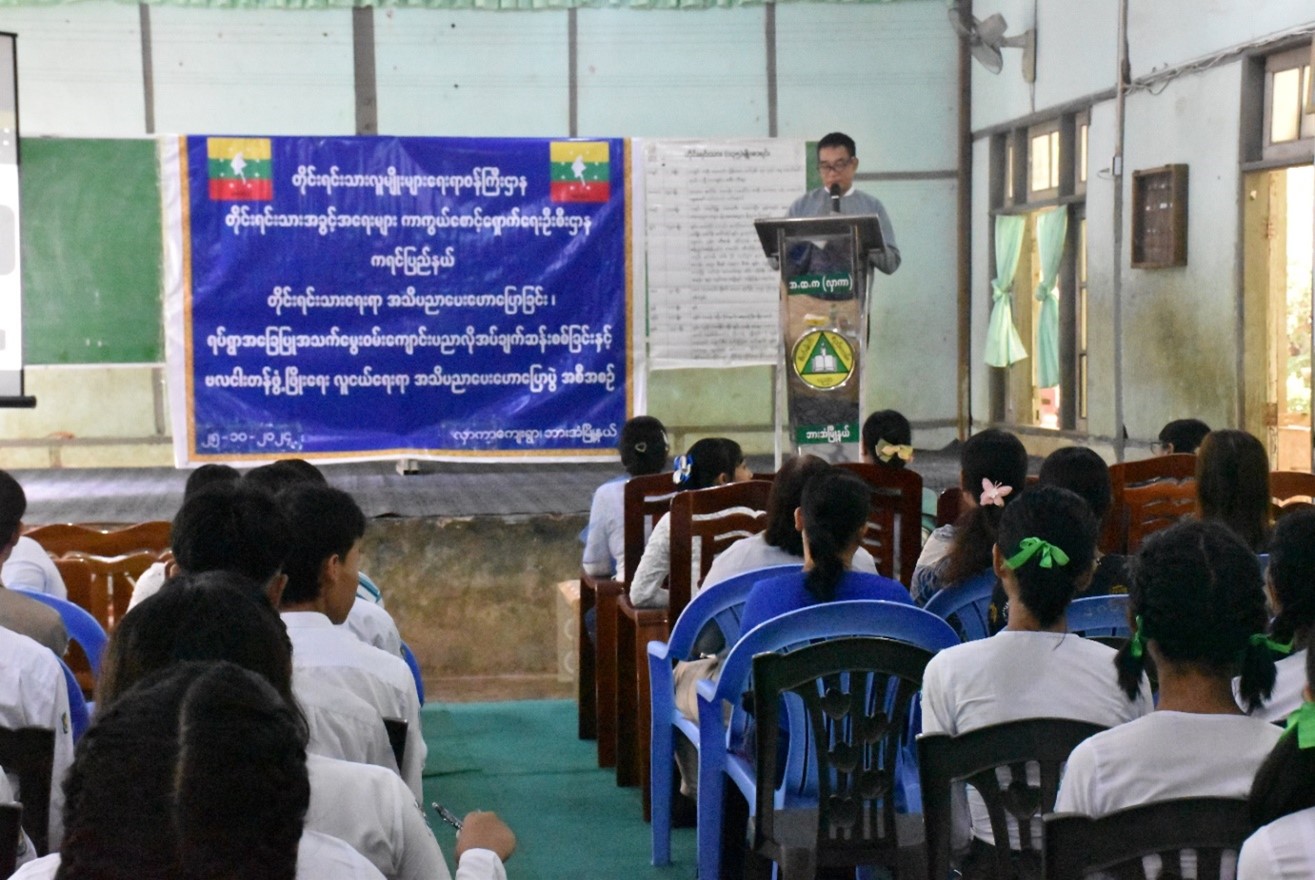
[(986, 37)]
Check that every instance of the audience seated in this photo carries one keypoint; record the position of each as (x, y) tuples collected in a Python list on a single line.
[(1199, 609), (1181, 435), (1290, 583), (643, 448), (322, 565), (224, 616), (887, 439), (993, 470), (1282, 800), (199, 772), (29, 567), (712, 461), (1232, 485), (20, 613), (1044, 555)]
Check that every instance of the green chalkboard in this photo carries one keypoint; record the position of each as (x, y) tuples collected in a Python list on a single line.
[(91, 251)]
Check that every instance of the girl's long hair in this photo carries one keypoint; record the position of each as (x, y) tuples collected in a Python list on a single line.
[(835, 511)]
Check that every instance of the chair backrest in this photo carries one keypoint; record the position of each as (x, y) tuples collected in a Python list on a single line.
[(853, 697), (1156, 506), (975, 758), (1176, 467), (1099, 617), (1080, 846), (646, 499), (103, 585), (1291, 490), (949, 504), (893, 620), (414, 665), (83, 629), (720, 605), (29, 754), (59, 539), (894, 532), (966, 606), (11, 819), (711, 519)]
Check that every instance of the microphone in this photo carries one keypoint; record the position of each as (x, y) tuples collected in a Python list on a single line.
[(835, 198)]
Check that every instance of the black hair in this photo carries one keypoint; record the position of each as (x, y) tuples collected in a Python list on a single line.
[(784, 499), (1060, 518), (1198, 592), (219, 615), (231, 526), (837, 139), (284, 473), (643, 446), (835, 507), (1082, 471), (1185, 434), (325, 522), (199, 773), (886, 426), (1292, 574), (208, 474), (999, 457), (1285, 782), (1232, 484), (13, 504), (710, 458)]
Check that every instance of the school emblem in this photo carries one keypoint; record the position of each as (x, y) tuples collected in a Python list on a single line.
[(823, 359)]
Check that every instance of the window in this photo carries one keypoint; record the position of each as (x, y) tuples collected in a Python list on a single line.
[(1043, 161), (1289, 130), (1083, 124)]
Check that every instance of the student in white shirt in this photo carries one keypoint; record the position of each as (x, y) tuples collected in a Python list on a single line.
[(1044, 554), (643, 450), (1198, 604), (1282, 801), (1290, 584)]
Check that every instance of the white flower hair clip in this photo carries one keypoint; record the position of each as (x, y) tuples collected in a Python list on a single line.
[(994, 493)]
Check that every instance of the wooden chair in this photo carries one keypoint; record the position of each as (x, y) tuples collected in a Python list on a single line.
[(894, 532), (949, 504), (1156, 506), (1291, 490), (646, 499), (29, 753), (1177, 467), (1080, 846), (710, 519), (61, 539), (974, 758), (103, 585)]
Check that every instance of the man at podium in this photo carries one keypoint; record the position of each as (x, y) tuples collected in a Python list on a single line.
[(837, 163)]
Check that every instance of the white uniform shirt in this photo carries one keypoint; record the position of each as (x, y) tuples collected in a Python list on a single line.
[(342, 725), (30, 567), (1016, 675), (334, 655), (1287, 695), (33, 694), (319, 857), (654, 566), (370, 623), (606, 539), (754, 552), (148, 584), (1282, 850), (1165, 755)]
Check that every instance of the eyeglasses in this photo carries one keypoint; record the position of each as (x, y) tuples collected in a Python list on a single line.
[(835, 167)]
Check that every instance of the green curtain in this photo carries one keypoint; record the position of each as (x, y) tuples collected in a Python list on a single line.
[(1003, 346), (1051, 227)]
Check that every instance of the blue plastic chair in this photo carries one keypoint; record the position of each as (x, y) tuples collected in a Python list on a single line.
[(79, 714), (81, 626), (966, 606), (1100, 617), (721, 605), (414, 665), (722, 746)]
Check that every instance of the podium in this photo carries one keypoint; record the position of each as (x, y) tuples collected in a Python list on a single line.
[(824, 319)]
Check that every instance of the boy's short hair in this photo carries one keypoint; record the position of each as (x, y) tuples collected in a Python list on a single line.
[(325, 522), (838, 139), (231, 526), (1185, 434)]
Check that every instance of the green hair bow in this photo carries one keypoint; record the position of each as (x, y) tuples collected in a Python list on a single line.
[(1029, 547)]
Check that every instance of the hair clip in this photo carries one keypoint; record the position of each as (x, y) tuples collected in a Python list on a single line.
[(681, 469), (1259, 639), (641, 447), (1303, 722), (1137, 641), (1051, 555), (902, 451), (994, 493)]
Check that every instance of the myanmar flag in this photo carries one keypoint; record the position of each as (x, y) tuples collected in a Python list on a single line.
[(581, 171), (240, 169)]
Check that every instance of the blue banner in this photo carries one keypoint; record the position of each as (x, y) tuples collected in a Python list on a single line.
[(381, 297)]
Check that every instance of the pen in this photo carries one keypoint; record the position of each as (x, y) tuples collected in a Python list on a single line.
[(446, 815)]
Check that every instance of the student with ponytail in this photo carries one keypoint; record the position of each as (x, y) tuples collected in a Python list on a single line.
[(832, 515), (1282, 801), (1290, 582), (1198, 608), (713, 461), (643, 448), (1044, 554)]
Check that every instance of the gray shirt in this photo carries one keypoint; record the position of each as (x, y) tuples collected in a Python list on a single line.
[(817, 203)]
